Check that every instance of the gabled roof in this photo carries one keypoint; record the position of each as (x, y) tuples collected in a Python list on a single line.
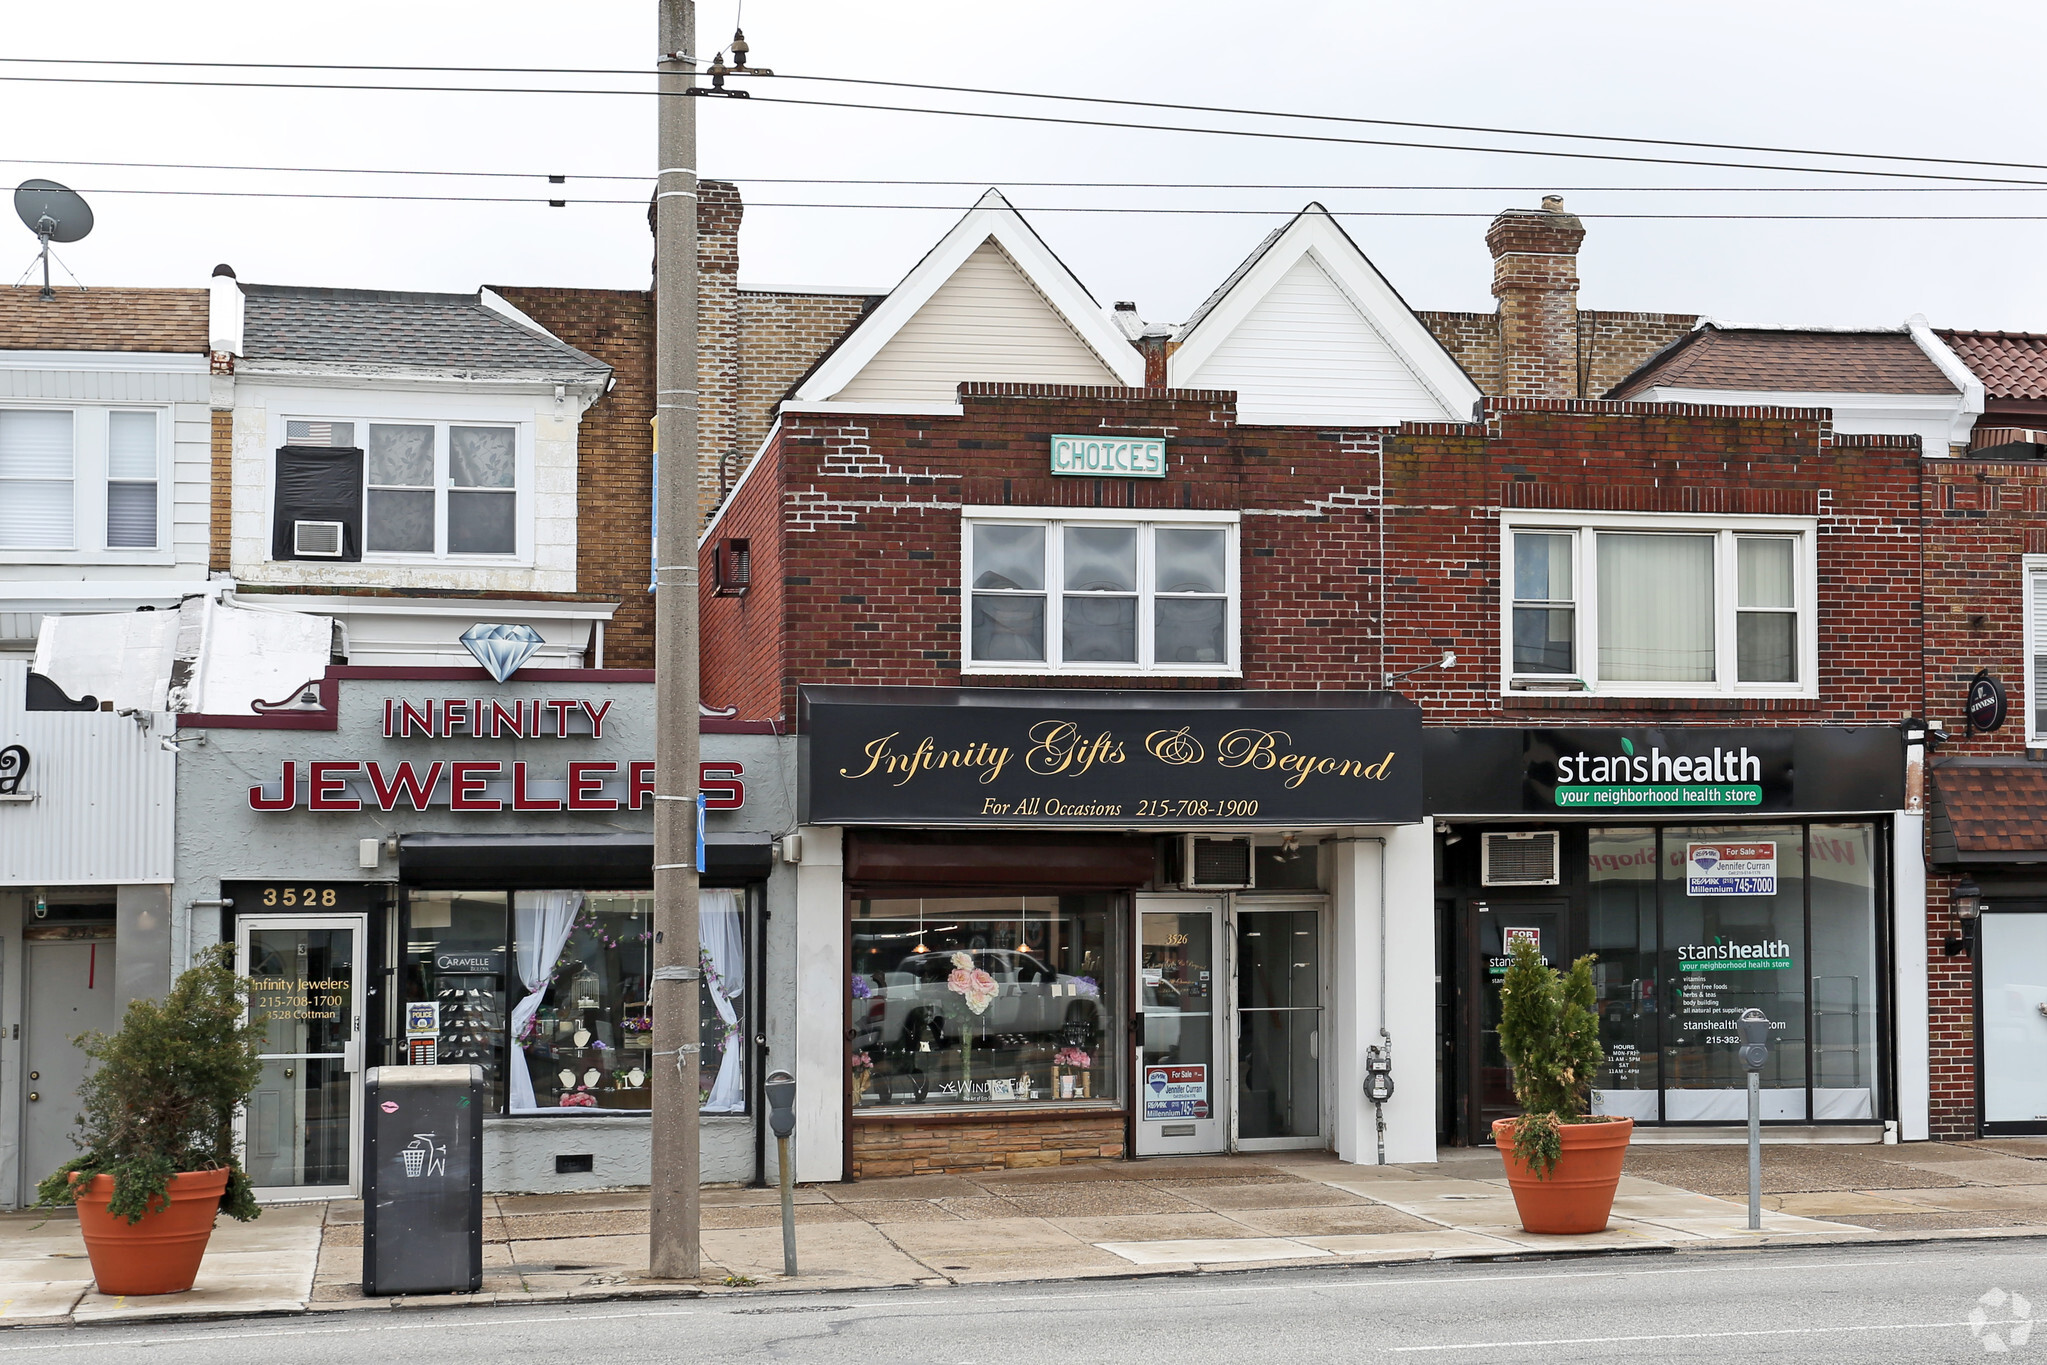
[(160, 320), (1307, 330), (383, 328), (2010, 364), (991, 255), (1797, 361)]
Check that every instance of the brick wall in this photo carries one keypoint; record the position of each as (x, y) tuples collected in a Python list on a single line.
[(220, 527), (1609, 346), (936, 1145), (1981, 517), (614, 455)]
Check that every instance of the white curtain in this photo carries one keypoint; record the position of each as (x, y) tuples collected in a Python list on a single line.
[(721, 930), (541, 923), (1655, 608)]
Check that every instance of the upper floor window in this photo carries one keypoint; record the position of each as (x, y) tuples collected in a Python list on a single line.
[(1075, 592), (1659, 606), (2035, 589), (422, 490), (81, 479)]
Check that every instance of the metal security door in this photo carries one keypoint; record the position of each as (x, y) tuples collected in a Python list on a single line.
[(2012, 967), (1180, 1085), (301, 1131), (70, 990)]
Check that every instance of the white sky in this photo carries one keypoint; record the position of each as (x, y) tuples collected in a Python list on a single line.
[(1876, 76)]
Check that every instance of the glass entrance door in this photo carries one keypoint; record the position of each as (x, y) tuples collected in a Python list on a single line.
[(2013, 967), (1179, 1043), (300, 1131), (1279, 1026), (1492, 928)]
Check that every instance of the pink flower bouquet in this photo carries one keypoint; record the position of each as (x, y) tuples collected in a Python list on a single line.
[(1073, 1057), (975, 986)]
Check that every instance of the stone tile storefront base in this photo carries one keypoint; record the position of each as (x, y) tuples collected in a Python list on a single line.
[(944, 1143)]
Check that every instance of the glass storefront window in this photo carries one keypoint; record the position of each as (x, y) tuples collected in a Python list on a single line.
[(1734, 939), (1621, 879), (959, 1000), (555, 982), (1844, 972)]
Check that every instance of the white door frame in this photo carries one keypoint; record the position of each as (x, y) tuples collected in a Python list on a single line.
[(1317, 901), (1210, 1135), (351, 1054)]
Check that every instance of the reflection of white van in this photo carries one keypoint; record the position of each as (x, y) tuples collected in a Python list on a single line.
[(913, 1002)]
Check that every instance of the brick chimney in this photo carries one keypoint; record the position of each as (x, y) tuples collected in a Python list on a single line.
[(1535, 278), (719, 458)]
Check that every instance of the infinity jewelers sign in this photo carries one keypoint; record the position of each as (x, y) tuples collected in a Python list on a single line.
[(1122, 760), (1120, 457)]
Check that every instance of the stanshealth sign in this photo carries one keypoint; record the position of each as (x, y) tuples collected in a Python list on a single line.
[(1010, 756), (1788, 768)]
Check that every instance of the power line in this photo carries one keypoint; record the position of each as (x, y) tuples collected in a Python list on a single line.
[(1049, 95), (1278, 212), (1268, 134), (1308, 186)]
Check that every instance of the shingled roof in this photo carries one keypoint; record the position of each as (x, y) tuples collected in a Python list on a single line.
[(1714, 357), (380, 327), (1989, 812), (2010, 364), (163, 320)]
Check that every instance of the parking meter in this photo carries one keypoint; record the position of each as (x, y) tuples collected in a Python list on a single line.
[(780, 1089), (1755, 1039), (1379, 1087), (1753, 1028)]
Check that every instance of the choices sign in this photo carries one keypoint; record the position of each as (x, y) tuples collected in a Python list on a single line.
[(1124, 760), (1116, 457)]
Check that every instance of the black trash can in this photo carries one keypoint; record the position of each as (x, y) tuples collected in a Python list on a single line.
[(422, 1198)]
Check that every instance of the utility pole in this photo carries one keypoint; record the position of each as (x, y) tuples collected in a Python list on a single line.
[(673, 1244)]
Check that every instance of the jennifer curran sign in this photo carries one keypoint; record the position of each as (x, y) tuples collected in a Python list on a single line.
[(1119, 457), (1117, 759)]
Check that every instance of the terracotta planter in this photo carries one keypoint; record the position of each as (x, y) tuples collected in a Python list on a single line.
[(1576, 1196), (160, 1254)]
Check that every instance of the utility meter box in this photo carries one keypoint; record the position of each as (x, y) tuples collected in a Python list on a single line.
[(422, 1194)]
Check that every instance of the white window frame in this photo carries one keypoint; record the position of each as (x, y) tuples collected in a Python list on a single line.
[(1053, 519), (440, 419), (1726, 588), (89, 451), (2032, 570)]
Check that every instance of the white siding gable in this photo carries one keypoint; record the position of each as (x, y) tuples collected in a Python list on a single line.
[(1306, 354), (988, 321)]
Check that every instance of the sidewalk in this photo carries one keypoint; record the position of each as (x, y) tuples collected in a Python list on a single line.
[(1166, 1216)]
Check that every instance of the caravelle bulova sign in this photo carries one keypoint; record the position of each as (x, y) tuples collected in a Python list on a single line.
[(1003, 756)]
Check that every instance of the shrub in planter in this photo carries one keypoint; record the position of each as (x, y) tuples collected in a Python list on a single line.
[(156, 1129), (1562, 1164)]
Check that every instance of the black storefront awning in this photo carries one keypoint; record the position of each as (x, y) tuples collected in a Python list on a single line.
[(622, 860)]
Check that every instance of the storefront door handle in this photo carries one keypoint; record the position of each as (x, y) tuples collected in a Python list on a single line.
[(1137, 1030)]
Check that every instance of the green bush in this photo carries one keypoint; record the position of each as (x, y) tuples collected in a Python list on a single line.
[(1549, 1031), (162, 1095)]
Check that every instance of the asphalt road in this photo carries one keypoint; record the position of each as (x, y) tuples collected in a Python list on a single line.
[(1911, 1303)]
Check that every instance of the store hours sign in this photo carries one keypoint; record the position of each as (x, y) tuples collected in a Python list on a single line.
[(1012, 756)]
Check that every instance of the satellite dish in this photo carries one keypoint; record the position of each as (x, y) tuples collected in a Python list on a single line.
[(51, 211), (53, 214)]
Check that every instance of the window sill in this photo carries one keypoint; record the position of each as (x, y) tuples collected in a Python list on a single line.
[(994, 670), (1598, 701)]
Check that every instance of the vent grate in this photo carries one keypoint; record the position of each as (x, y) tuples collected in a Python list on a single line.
[(316, 539), (1219, 862), (1519, 859)]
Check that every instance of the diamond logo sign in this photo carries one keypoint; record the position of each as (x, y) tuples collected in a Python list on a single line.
[(501, 649)]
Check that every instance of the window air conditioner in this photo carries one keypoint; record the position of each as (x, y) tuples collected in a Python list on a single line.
[(316, 539), (1519, 858), (1215, 864)]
